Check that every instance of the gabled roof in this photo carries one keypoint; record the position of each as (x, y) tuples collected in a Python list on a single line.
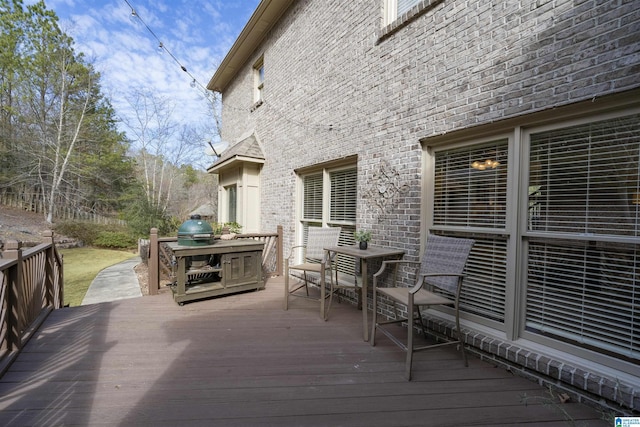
[(247, 150), (263, 19), (204, 210)]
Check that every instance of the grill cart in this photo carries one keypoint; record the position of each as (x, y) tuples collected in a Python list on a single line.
[(208, 267)]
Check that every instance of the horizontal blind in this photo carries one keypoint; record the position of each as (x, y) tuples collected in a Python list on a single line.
[(312, 198), (584, 182), (585, 179), (344, 186), (343, 196), (484, 289), (470, 190), (471, 186), (406, 5), (585, 293)]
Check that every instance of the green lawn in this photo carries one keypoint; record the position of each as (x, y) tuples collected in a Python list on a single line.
[(81, 265)]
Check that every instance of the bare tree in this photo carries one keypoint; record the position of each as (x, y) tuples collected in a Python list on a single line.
[(64, 142), (161, 145)]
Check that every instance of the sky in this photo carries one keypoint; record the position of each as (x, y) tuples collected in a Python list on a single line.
[(195, 34)]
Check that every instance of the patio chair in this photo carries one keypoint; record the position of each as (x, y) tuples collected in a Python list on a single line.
[(439, 279), (314, 260)]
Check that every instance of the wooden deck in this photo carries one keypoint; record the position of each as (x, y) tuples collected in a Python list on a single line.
[(241, 360)]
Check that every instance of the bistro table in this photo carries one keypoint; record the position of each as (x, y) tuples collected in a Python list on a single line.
[(372, 252)]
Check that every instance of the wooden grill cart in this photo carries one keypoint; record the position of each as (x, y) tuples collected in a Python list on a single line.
[(221, 268)]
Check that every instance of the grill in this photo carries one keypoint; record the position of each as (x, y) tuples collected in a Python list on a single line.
[(195, 232)]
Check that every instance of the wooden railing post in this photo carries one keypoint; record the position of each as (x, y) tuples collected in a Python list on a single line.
[(154, 263), (280, 254), (13, 250), (54, 286)]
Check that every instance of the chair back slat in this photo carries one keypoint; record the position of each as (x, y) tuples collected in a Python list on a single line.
[(445, 255), (320, 238)]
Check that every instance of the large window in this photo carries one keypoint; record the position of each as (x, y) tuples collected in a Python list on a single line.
[(583, 228), (556, 219), (470, 200)]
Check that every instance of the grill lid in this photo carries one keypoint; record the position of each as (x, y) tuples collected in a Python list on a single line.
[(195, 229)]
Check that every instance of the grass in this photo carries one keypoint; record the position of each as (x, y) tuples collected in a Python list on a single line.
[(81, 265)]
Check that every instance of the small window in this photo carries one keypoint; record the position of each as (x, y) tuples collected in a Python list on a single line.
[(396, 8), (258, 71), (329, 198), (232, 202)]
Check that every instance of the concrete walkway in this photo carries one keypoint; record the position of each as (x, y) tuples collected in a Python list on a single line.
[(113, 283)]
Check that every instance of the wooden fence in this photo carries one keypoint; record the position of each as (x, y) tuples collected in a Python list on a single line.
[(160, 255), (31, 286), (34, 203)]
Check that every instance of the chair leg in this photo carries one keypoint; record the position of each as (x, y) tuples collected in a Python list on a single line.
[(460, 340), (422, 325), (409, 361), (374, 320), (286, 288), (334, 288)]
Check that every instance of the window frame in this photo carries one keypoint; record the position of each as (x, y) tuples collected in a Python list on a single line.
[(394, 12), (325, 220), (528, 235), (519, 130), (231, 192), (258, 82), (483, 235)]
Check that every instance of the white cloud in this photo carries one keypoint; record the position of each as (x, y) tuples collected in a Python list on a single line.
[(197, 32)]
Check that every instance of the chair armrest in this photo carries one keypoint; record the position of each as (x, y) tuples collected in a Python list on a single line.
[(390, 263), (291, 253), (395, 262), (420, 282)]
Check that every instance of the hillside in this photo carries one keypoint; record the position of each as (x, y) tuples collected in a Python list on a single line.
[(27, 227)]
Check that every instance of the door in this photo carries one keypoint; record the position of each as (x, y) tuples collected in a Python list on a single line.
[(242, 268)]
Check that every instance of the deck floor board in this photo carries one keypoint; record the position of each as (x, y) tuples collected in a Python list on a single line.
[(240, 360)]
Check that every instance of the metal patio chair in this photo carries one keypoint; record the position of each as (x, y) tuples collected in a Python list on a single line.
[(438, 281), (314, 260)]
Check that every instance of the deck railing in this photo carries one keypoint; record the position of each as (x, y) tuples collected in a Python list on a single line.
[(160, 255), (30, 288)]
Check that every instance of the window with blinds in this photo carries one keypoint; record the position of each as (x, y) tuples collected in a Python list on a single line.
[(329, 199), (585, 179), (343, 197), (583, 221), (312, 201), (470, 191), (395, 9), (585, 292), (405, 5), (471, 186)]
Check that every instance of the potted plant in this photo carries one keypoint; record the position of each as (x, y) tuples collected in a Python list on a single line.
[(363, 237)]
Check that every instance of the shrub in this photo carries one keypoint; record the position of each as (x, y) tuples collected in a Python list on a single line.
[(114, 240), (103, 235), (84, 231), (234, 227)]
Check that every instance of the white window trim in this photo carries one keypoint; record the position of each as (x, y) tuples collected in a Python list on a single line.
[(258, 82)]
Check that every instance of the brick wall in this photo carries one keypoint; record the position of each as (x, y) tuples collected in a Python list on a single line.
[(338, 83)]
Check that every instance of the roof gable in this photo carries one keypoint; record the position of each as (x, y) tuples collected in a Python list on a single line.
[(266, 15)]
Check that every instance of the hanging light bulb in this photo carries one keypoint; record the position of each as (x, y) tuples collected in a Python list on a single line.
[(193, 83), (160, 47)]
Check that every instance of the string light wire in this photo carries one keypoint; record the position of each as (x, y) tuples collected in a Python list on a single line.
[(208, 95), (163, 47)]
